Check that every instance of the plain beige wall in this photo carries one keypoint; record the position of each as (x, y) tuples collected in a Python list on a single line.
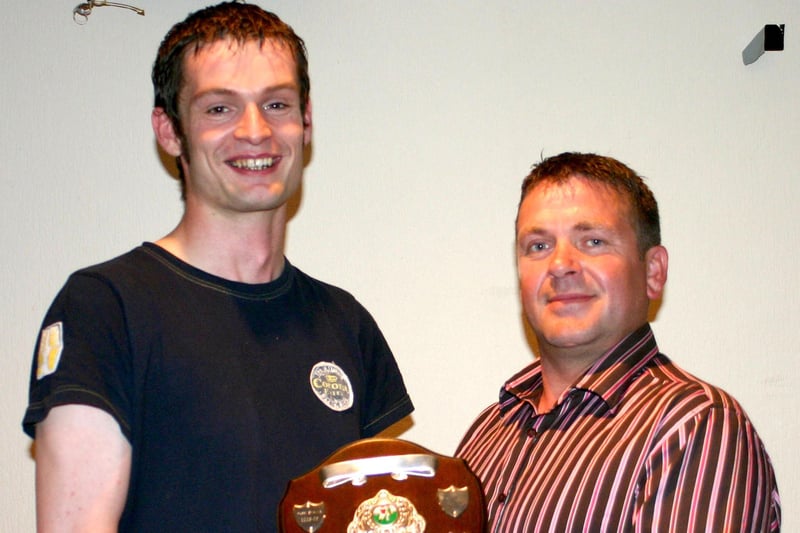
[(427, 116)]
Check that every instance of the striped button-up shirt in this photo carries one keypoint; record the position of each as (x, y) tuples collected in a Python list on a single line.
[(637, 444)]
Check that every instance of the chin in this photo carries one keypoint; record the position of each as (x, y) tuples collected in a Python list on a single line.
[(567, 339)]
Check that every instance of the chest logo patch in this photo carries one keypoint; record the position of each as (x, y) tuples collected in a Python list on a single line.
[(332, 386), (51, 345)]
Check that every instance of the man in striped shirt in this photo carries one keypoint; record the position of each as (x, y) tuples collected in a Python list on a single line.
[(603, 432)]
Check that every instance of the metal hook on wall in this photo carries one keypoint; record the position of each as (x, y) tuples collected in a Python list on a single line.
[(82, 11)]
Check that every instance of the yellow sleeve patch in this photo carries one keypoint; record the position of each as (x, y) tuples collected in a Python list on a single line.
[(51, 344)]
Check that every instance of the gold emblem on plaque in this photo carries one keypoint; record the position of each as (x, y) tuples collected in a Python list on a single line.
[(309, 516), (386, 513), (453, 501)]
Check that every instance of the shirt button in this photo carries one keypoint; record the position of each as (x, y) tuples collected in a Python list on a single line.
[(532, 433), (502, 498)]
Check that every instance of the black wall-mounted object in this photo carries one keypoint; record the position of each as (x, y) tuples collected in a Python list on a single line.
[(770, 38)]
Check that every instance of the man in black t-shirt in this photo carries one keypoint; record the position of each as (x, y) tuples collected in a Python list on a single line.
[(181, 385)]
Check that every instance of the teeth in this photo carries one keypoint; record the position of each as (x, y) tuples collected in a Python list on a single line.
[(253, 164)]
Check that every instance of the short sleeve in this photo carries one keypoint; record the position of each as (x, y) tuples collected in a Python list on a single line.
[(387, 400), (82, 355)]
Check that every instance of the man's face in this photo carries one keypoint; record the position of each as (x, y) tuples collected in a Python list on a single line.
[(583, 282), (244, 132)]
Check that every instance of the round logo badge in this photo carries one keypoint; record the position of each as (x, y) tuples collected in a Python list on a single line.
[(332, 386), (386, 512)]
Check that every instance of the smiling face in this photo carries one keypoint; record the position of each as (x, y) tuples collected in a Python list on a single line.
[(584, 283), (244, 132)]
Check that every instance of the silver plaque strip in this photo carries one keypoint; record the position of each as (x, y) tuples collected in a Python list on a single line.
[(356, 471)]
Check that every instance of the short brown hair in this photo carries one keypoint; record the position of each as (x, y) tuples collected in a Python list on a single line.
[(614, 175), (228, 20)]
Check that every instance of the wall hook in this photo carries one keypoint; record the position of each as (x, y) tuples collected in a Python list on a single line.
[(769, 38), (82, 11)]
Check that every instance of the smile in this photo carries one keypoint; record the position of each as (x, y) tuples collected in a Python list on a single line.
[(261, 163), (569, 298)]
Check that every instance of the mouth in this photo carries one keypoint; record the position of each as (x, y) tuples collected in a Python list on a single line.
[(569, 298), (256, 163)]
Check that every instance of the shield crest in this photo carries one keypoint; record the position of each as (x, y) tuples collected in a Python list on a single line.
[(452, 500), (309, 516)]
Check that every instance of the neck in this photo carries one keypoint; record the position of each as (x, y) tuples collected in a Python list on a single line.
[(249, 250), (559, 372)]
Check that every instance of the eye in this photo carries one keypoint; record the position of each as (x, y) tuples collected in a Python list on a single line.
[(217, 110), (276, 106), (594, 242), (536, 247)]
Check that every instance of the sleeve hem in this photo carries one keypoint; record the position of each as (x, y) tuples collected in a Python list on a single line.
[(401, 409), (38, 411)]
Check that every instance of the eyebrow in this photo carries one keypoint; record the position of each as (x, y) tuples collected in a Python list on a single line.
[(222, 91), (581, 226), (531, 231), (592, 226)]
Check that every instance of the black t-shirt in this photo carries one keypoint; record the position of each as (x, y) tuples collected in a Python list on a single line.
[(225, 390)]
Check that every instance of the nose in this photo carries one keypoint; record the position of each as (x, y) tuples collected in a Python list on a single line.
[(564, 260), (253, 125)]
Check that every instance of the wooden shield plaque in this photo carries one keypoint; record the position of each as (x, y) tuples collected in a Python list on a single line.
[(384, 485)]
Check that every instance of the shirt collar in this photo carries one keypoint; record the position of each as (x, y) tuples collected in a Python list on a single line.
[(608, 377)]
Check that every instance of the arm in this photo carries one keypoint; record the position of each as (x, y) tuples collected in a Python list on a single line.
[(82, 470), (712, 473)]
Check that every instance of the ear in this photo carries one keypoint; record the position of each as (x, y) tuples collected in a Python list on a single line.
[(165, 132), (656, 261), (307, 123)]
